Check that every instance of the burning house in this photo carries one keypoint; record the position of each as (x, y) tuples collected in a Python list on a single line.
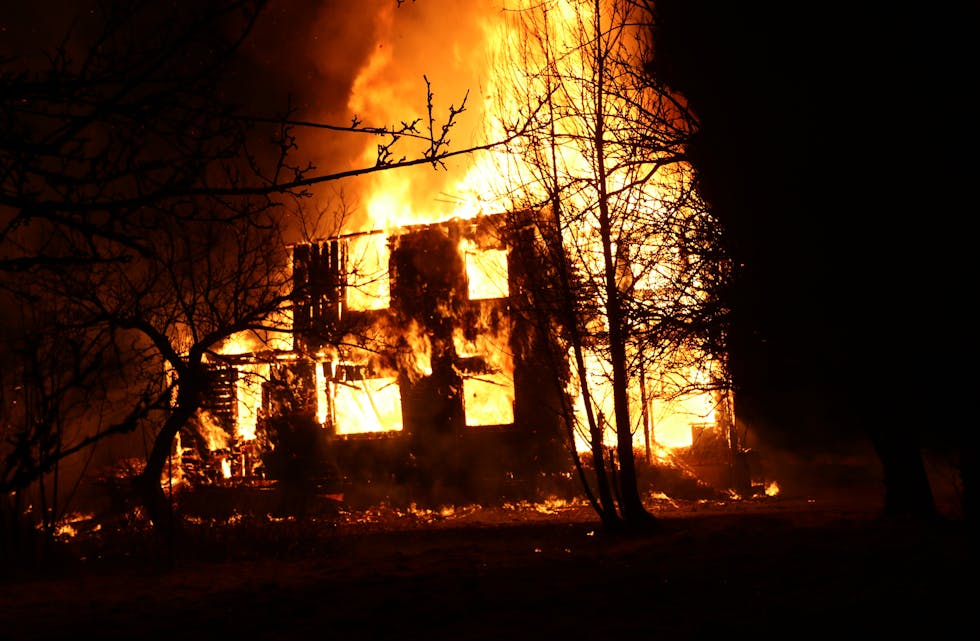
[(420, 358), (434, 349)]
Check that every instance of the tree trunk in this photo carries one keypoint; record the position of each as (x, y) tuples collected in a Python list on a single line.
[(158, 507), (631, 506), (606, 507), (906, 484), (968, 480)]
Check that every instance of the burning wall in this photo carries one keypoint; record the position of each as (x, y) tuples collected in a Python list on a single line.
[(415, 341)]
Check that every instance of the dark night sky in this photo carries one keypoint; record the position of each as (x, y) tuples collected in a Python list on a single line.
[(832, 146)]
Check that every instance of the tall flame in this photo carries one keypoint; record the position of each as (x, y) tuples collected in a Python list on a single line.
[(443, 44), (248, 383)]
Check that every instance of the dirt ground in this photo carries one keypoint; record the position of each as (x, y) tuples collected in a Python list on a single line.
[(768, 567)]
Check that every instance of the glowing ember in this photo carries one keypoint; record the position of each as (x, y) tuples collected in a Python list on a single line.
[(68, 526)]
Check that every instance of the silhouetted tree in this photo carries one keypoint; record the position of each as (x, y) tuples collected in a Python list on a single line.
[(147, 207), (53, 380), (632, 253)]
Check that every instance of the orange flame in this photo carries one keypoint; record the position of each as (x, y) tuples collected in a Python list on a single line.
[(248, 384), (486, 271)]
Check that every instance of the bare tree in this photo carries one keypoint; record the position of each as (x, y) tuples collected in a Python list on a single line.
[(54, 381), (148, 209), (635, 257)]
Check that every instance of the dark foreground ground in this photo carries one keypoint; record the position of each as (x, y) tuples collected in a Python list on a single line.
[(769, 567)]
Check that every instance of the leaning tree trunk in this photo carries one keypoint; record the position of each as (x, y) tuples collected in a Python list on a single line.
[(158, 507)]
